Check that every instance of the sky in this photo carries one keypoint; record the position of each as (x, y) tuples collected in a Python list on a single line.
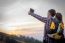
[(14, 18)]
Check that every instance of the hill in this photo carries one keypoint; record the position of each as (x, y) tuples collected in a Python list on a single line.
[(6, 38)]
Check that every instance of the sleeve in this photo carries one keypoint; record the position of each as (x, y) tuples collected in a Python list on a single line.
[(42, 19)]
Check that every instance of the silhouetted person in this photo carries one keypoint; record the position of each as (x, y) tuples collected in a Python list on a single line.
[(47, 20), (60, 27)]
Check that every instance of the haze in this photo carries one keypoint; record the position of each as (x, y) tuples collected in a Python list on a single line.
[(14, 18)]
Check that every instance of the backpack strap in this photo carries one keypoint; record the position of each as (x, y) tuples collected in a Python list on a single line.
[(60, 28)]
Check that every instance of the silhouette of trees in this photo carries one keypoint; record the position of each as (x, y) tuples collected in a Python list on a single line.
[(27, 39), (17, 39)]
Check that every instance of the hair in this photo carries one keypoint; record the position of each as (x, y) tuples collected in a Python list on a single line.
[(59, 16), (52, 12), (31, 10)]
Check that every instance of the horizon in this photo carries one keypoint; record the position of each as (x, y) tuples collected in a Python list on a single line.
[(14, 16)]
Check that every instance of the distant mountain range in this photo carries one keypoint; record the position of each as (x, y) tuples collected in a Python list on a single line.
[(6, 38)]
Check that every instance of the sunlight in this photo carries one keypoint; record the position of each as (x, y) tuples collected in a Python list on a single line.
[(15, 18), (17, 14)]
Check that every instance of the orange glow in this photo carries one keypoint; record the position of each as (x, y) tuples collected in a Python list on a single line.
[(25, 32)]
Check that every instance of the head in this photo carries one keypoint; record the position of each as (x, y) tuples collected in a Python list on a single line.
[(51, 13), (59, 16), (31, 10)]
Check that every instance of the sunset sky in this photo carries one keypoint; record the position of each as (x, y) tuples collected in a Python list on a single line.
[(14, 18)]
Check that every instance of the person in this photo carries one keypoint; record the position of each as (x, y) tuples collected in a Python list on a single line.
[(47, 20), (60, 27)]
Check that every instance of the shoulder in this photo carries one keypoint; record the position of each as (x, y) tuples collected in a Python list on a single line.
[(54, 20)]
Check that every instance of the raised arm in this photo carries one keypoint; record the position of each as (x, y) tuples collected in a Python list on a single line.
[(42, 19)]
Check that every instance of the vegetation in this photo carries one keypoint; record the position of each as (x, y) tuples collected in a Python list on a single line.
[(17, 39)]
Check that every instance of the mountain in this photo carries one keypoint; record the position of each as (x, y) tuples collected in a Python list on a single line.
[(6, 38)]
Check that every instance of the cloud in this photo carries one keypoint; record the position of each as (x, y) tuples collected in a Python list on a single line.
[(14, 13), (6, 2)]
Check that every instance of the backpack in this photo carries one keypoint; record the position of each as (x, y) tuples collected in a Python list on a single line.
[(59, 34)]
